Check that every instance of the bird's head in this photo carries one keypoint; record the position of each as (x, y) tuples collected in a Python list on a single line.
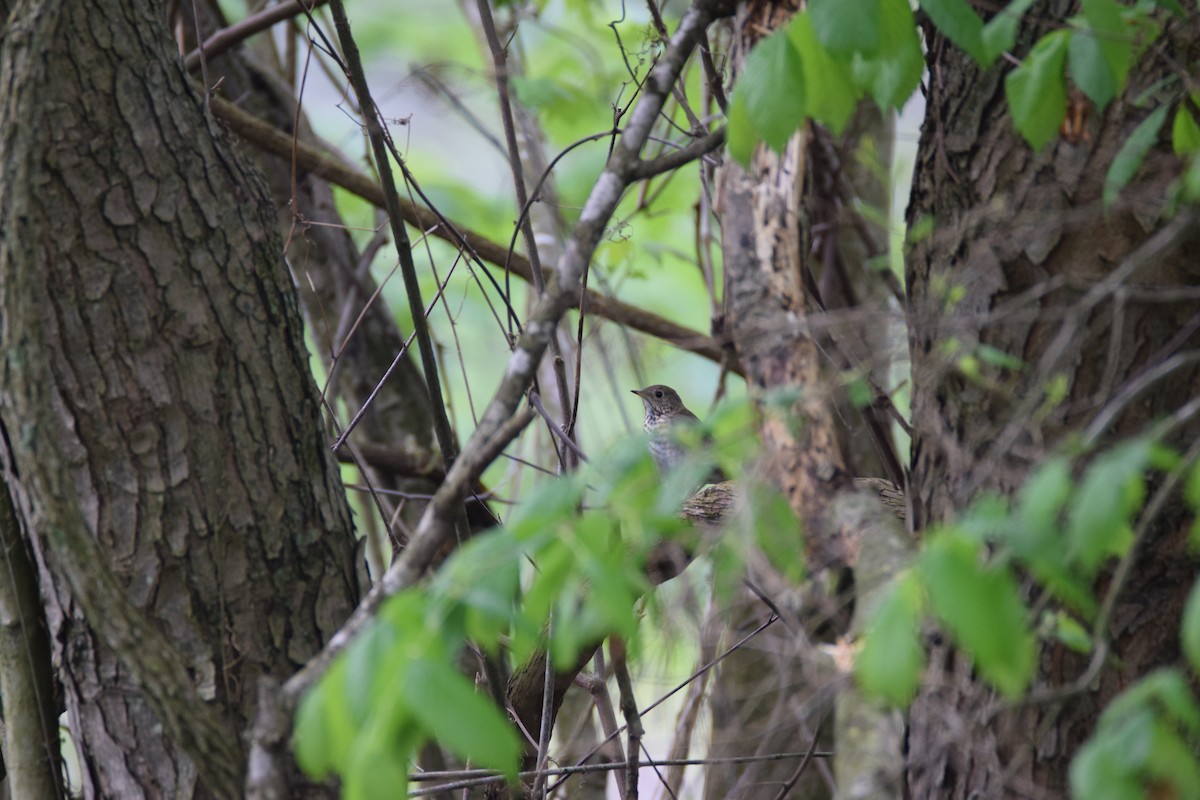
[(659, 400)]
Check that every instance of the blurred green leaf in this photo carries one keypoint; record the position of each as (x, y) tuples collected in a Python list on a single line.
[(1112, 489), (376, 773), (1000, 32), (1189, 630), (892, 74), (1129, 158), (1185, 133), (1036, 90), (848, 26), (1137, 745), (447, 706), (891, 660), (777, 531), (999, 358), (981, 607), (740, 134), (771, 91), (828, 85), (1100, 51), (1067, 630), (959, 22), (315, 752)]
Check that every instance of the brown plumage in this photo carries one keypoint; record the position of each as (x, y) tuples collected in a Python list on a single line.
[(663, 410)]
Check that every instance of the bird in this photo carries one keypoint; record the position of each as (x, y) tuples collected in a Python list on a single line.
[(664, 410)]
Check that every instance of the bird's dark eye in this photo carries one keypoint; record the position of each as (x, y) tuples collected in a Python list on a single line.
[(658, 393)]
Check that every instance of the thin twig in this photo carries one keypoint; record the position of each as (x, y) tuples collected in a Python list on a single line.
[(408, 270)]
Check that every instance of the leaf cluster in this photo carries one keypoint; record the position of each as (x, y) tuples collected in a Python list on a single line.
[(566, 571), (1061, 531), (834, 53)]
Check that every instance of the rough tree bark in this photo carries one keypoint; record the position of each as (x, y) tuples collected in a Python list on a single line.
[(1025, 238), (162, 435)]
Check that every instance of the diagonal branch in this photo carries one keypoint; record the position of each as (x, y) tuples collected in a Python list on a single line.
[(335, 170), (434, 529)]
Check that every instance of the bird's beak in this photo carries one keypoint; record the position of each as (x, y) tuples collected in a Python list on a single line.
[(638, 392)]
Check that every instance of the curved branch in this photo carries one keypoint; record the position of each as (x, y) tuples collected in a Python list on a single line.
[(335, 170)]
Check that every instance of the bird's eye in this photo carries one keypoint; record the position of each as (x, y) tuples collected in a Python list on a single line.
[(658, 393)]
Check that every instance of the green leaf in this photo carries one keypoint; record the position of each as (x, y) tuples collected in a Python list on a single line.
[(314, 751), (1132, 153), (770, 93), (1185, 133), (891, 660), (999, 358), (848, 26), (959, 22), (828, 84), (377, 772), (1067, 630), (1173, 762), (740, 132), (891, 75), (1098, 521), (777, 532), (1000, 33), (1163, 689), (449, 708), (1189, 630), (982, 609), (1100, 51), (1036, 90)]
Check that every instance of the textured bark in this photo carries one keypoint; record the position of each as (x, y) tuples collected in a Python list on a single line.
[(157, 404), (774, 695), (353, 328), (1023, 237)]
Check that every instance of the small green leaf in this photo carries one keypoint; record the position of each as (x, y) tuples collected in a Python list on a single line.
[(1100, 51), (1000, 33), (982, 608), (448, 707), (1185, 133), (1068, 631), (314, 751), (847, 26), (959, 22), (1132, 153), (1190, 183), (771, 92), (740, 133), (999, 358), (1189, 630), (891, 75), (377, 772), (891, 660), (1098, 521), (1036, 90), (829, 87)]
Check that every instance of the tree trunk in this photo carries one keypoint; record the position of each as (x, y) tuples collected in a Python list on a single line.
[(1019, 239), (161, 426)]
